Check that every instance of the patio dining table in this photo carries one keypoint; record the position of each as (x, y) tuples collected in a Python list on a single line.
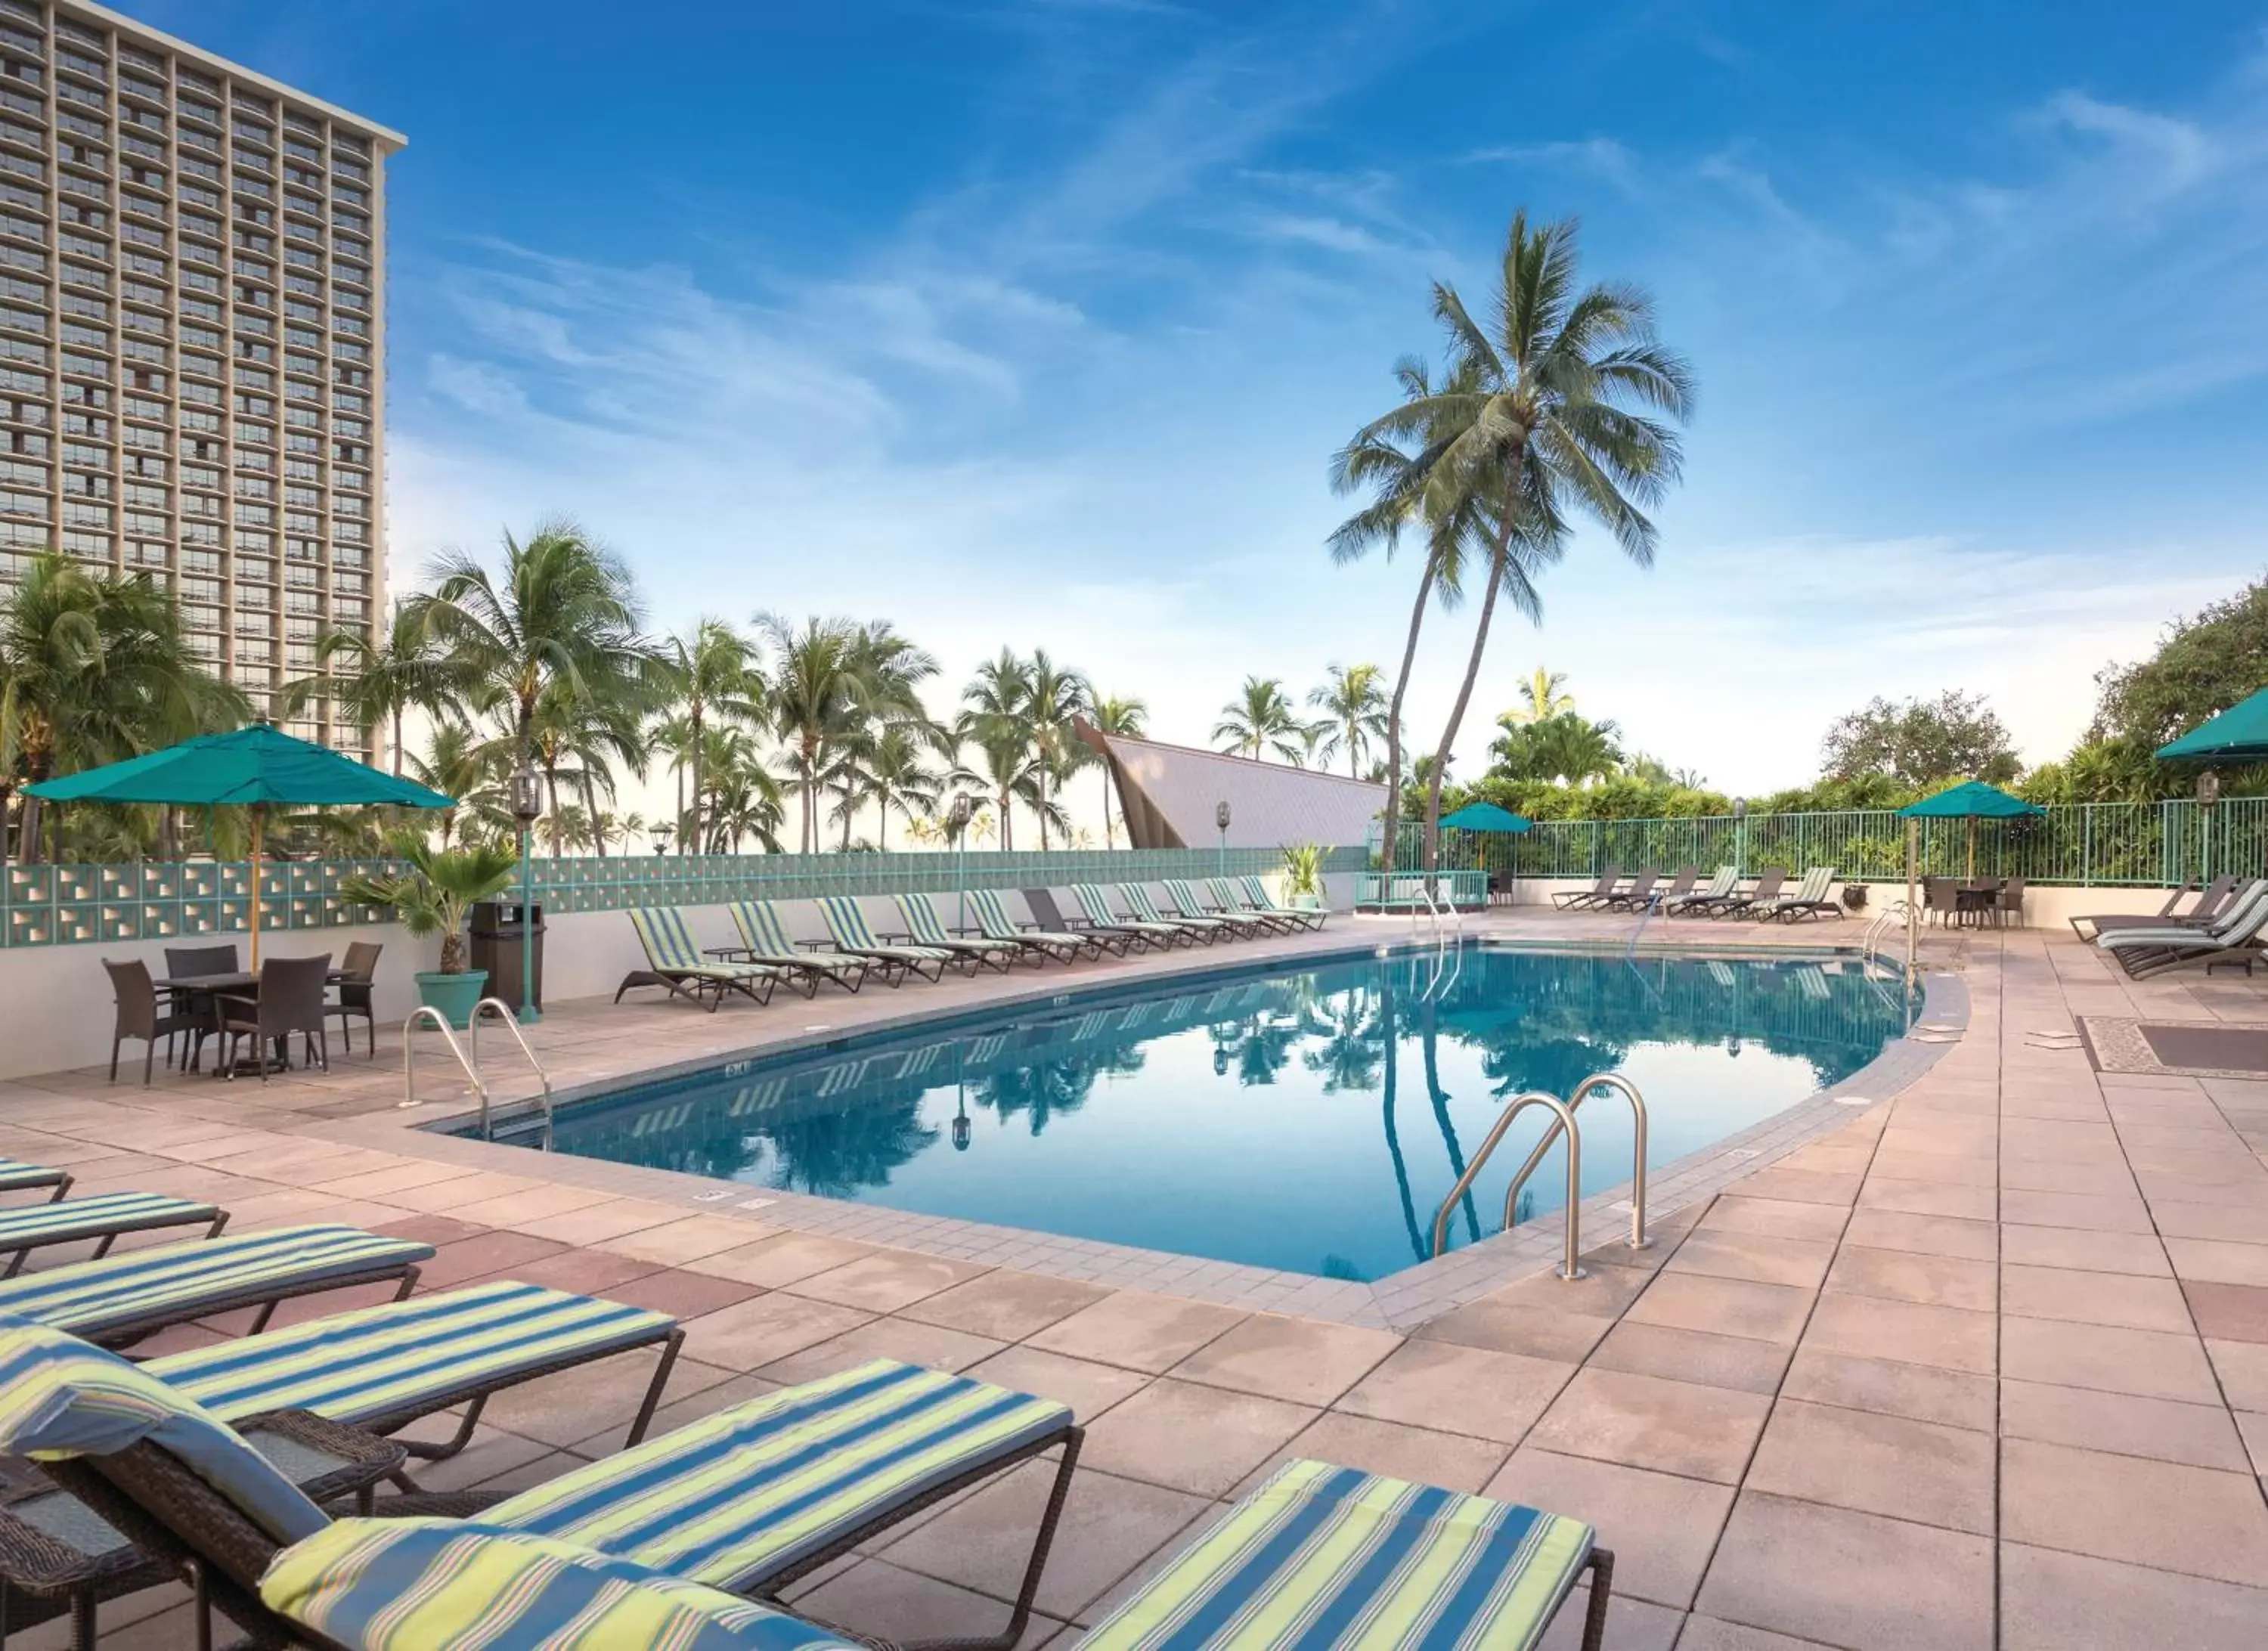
[(239, 984)]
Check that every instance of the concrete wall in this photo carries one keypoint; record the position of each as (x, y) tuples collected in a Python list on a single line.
[(56, 1011), (2043, 907)]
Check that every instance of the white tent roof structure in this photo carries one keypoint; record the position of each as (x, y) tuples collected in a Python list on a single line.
[(1172, 794)]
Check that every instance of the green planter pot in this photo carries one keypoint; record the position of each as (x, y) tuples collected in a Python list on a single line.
[(454, 995)]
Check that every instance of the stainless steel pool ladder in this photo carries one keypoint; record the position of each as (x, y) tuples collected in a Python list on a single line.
[(1898, 915), (1563, 1122), (468, 1062)]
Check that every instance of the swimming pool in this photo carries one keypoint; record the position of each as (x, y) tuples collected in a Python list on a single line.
[(1309, 1119)]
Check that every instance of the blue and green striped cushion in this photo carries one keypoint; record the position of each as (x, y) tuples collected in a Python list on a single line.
[(412, 1584), (928, 929), (61, 1398), (395, 1361), (759, 923), (751, 1491), (173, 1281), (15, 1176), (847, 923), (1326, 1558), (670, 948), (92, 1218)]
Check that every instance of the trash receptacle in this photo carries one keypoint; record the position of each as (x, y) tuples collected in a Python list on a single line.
[(495, 932)]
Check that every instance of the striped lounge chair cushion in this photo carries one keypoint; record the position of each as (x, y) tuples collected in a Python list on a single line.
[(61, 1398), (169, 1283), (404, 1360), (14, 1177), (412, 1584), (753, 1492), (1324, 1556), (92, 1218)]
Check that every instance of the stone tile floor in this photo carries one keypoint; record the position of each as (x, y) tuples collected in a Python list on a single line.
[(1987, 1367)]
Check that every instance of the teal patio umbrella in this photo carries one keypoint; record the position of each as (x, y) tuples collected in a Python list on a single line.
[(1971, 800), (256, 768), (1485, 816), (2239, 734)]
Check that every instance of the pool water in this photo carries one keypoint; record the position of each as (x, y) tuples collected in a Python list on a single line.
[(1309, 1120)]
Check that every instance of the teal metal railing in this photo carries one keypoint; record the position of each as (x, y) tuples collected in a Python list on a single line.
[(2109, 844), (63, 905)]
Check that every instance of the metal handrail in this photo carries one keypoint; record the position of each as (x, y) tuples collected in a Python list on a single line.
[(1570, 1267), (512, 1024), (425, 1012), (1596, 1080), (1898, 912)]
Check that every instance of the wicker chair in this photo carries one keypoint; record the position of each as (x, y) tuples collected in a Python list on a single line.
[(355, 991), (140, 1015), (198, 1005), (291, 1000)]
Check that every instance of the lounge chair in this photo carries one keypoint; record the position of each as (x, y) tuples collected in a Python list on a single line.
[(1766, 890), (2146, 951), (992, 922), (1113, 939), (1637, 897), (21, 1177), (106, 1219), (1722, 884), (745, 1500), (764, 940), (1809, 900), (2212, 900), (674, 962), (1184, 894), (1576, 899), (1263, 899), (122, 1297), (1096, 905), (1145, 910), (1319, 1557), (925, 927), (1229, 900), (846, 926)]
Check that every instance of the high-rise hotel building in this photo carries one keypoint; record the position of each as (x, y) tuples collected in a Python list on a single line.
[(192, 336)]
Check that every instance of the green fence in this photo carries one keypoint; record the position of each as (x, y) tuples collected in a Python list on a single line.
[(62, 906), (2159, 844)]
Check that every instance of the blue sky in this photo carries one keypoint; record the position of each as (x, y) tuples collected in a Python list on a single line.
[(1037, 323)]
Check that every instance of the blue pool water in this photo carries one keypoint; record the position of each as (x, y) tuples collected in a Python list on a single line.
[(1309, 1120)]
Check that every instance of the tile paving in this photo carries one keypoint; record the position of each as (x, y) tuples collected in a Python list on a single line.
[(1985, 1363)]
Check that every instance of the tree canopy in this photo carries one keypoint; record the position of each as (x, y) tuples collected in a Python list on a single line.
[(1919, 742)]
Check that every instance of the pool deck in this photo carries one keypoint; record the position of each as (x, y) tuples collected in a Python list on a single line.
[(1983, 1363)]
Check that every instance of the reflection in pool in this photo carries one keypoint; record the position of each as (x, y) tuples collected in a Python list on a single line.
[(1309, 1120)]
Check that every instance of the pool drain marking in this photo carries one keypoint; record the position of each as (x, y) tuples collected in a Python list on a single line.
[(709, 1198)]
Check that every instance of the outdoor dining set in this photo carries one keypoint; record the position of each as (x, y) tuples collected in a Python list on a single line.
[(1974, 902), (205, 995)]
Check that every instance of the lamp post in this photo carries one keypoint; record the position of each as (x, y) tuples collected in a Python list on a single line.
[(661, 839), (956, 826), (1740, 837), (2208, 797), (527, 805), (1220, 819)]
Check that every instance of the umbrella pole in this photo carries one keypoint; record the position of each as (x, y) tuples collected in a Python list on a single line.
[(1913, 857), (1972, 848), (259, 815)]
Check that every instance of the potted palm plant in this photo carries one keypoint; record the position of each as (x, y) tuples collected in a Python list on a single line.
[(1303, 875), (433, 897)]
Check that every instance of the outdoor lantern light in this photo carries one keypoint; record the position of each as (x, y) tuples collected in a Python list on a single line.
[(1739, 807), (526, 806), (956, 827), (661, 839), (1220, 815), (527, 796), (957, 819), (2208, 789)]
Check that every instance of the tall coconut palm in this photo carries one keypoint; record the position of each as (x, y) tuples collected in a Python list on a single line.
[(377, 678), (1353, 703), (1260, 720), (457, 763), (1003, 775), (1540, 698), (710, 676), (581, 737), (1394, 465), (818, 701), (560, 618), (1053, 697), (893, 668), (1128, 718), (995, 718), (94, 669), (892, 771), (1561, 414)]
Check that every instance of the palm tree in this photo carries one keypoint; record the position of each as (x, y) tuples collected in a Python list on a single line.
[(1540, 698), (1260, 720), (890, 772), (1354, 714), (712, 675), (995, 719), (581, 736), (94, 668), (1053, 697), (458, 763), (1127, 718), (1560, 414), (375, 679), (1395, 469), (817, 701), (892, 669), (561, 623), (1005, 774)]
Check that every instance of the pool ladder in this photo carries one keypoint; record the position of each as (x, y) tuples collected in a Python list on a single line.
[(1563, 1122), (469, 1055), (1897, 915)]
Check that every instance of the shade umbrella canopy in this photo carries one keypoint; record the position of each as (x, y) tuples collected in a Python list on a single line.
[(1485, 816), (2238, 734), (1972, 800), (255, 768)]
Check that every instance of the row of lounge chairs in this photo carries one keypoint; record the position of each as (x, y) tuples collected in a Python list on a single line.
[(230, 1462), (1721, 897), (2223, 928), (1110, 922)]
